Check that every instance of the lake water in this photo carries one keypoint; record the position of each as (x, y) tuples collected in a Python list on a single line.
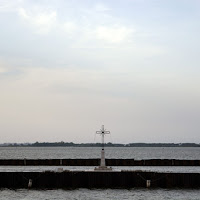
[(94, 152), (100, 194), (137, 153)]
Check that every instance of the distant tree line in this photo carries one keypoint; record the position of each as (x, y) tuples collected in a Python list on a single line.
[(71, 144)]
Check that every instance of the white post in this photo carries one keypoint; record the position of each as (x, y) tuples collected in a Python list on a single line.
[(103, 162), (148, 183), (30, 182)]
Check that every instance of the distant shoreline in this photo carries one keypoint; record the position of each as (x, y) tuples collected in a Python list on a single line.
[(71, 144)]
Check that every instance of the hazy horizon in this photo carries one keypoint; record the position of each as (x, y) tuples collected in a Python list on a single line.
[(68, 142), (68, 67)]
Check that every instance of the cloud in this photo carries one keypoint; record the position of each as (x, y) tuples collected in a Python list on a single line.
[(4, 67), (101, 7), (70, 27), (93, 36), (89, 28), (2, 70), (115, 34), (9, 5), (43, 21)]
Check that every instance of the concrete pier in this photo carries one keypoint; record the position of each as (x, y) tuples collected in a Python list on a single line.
[(95, 179), (102, 163)]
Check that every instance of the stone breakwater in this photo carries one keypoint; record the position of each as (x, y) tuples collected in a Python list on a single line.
[(92, 179), (96, 162)]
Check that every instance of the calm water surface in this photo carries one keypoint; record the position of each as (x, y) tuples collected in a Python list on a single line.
[(94, 152)]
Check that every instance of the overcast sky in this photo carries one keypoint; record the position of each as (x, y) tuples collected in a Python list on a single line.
[(69, 66)]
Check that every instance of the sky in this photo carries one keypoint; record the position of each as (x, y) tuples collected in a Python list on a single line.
[(69, 66)]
